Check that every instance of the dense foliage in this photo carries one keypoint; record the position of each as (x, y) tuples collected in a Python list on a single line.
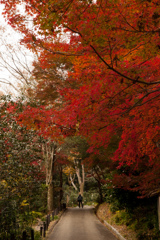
[(109, 54), (98, 77), (21, 178)]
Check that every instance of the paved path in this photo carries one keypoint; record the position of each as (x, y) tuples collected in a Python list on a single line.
[(80, 224)]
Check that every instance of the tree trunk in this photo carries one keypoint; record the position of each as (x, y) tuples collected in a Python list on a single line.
[(50, 197), (72, 182), (100, 191), (81, 188), (158, 209), (49, 153), (61, 187), (81, 179), (67, 200), (98, 179)]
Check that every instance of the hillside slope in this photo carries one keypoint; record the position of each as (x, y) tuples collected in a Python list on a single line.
[(104, 214)]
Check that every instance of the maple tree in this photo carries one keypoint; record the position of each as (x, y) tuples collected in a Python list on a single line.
[(112, 84), (42, 123), (49, 79)]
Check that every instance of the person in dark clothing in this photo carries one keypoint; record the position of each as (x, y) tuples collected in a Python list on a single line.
[(80, 199)]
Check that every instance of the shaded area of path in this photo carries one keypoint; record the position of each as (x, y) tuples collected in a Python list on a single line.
[(80, 224)]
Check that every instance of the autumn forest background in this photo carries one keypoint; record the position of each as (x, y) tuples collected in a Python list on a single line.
[(86, 113)]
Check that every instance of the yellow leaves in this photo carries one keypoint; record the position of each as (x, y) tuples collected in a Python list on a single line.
[(77, 127), (4, 183), (69, 170), (71, 158), (24, 203), (36, 214)]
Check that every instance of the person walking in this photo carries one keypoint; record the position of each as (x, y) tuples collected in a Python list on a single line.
[(80, 199)]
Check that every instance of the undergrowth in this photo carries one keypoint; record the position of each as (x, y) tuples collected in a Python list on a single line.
[(139, 215)]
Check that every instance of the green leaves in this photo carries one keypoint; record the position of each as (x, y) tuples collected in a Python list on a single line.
[(20, 159)]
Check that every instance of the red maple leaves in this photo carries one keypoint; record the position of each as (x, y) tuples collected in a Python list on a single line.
[(111, 82)]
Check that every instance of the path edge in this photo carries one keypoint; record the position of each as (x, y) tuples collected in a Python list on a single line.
[(111, 228), (114, 231), (52, 225)]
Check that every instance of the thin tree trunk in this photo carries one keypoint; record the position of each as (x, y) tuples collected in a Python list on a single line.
[(61, 187), (158, 209), (81, 180), (100, 191), (49, 152), (72, 182), (98, 179)]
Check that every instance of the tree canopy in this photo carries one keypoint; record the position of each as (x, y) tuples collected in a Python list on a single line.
[(109, 54)]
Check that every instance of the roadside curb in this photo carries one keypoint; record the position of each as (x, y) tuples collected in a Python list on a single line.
[(110, 227), (52, 225), (114, 231)]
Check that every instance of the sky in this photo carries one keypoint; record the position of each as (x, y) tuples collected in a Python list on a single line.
[(11, 49)]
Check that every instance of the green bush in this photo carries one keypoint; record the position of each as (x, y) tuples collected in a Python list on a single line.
[(122, 217), (37, 235), (114, 207), (56, 217), (138, 214)]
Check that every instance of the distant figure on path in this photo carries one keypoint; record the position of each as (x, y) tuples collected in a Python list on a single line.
[(80, 199)]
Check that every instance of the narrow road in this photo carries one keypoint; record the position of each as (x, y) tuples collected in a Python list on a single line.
[(80, 224)]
